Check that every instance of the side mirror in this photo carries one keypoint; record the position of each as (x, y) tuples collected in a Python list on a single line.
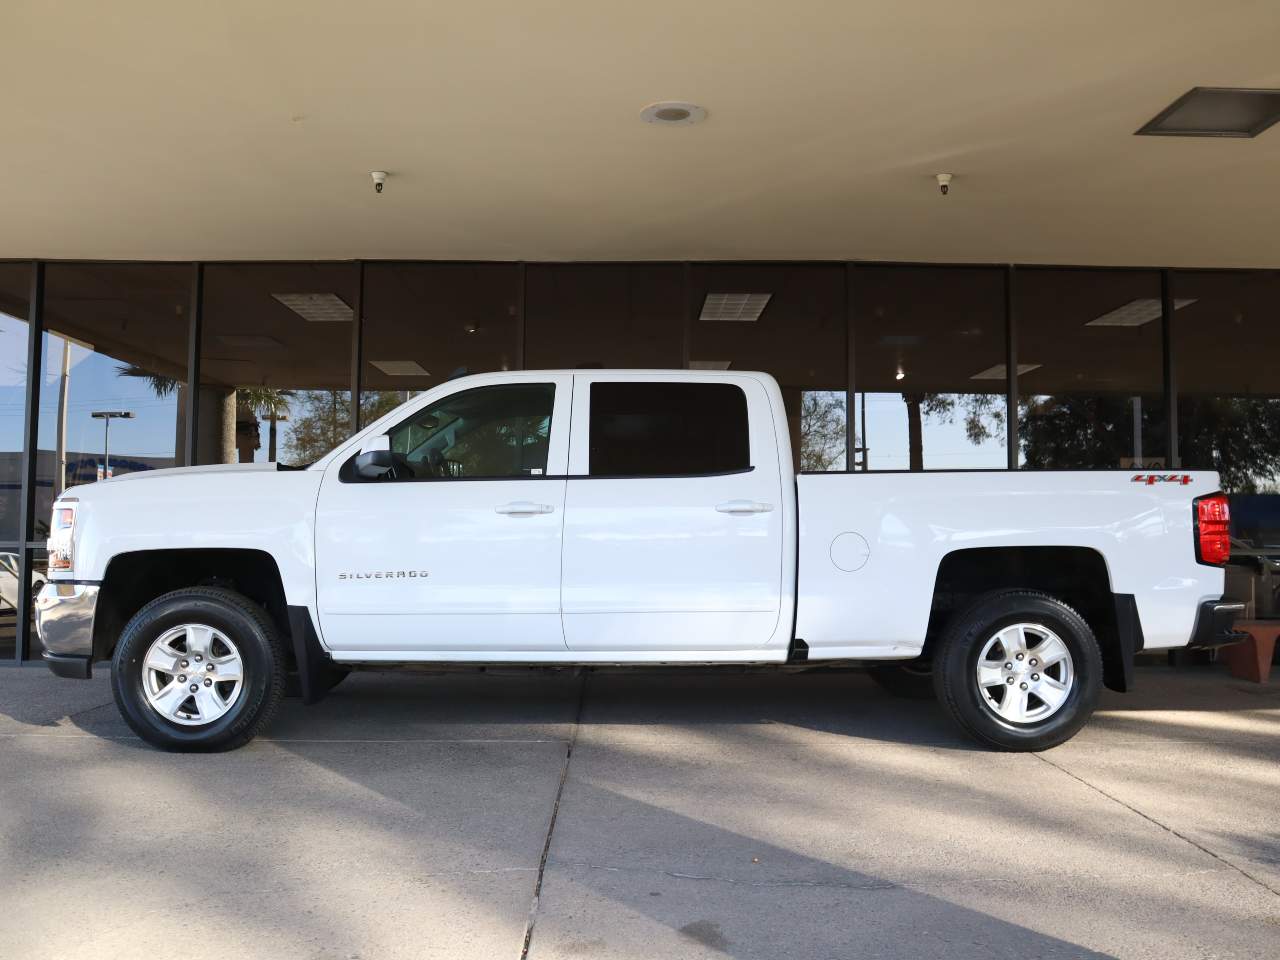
[(374, 459)]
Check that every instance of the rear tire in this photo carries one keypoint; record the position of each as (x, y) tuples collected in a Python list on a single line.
[(909, 680), (1018, 670), (200, 670)]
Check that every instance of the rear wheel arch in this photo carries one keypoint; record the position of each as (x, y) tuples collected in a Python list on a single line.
[(1077, 576)]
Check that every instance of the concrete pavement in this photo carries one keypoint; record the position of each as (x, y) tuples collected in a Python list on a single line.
[(696, 814)]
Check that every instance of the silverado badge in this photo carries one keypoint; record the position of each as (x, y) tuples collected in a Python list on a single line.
[(385, 575)]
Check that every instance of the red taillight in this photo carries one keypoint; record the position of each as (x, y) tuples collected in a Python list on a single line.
[(1213, 529)]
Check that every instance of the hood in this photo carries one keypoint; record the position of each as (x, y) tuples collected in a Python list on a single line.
[(191, 471)]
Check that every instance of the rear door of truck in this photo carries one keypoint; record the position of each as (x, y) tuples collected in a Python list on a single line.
[(674, 519)]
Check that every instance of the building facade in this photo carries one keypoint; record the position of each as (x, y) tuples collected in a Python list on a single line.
[(113, 367)]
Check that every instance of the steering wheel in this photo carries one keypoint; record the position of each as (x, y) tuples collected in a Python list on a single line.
[(400, 468), (442, 467)]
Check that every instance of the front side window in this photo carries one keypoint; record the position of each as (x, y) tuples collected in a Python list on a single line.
[(668, 429), (498, 431)]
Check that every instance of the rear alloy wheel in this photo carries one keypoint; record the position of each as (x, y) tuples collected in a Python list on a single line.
[(1025, 673), (1019, 670), (199, 669)]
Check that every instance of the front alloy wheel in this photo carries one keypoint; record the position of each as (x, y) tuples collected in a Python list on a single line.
[(192, 674), (198, 669)]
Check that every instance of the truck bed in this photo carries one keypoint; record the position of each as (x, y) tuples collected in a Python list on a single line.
[(871, 546)]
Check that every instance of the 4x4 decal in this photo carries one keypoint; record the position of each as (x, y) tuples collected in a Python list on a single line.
[(1153, 478)]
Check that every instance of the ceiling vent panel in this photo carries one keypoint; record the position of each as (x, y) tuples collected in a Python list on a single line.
[(317, 307), (734, 307), (1216, 112)]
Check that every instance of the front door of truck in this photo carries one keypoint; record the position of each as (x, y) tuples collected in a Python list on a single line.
[(674, 516), (459, 550)]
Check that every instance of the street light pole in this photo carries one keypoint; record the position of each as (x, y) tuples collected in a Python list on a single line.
[(106, 416)]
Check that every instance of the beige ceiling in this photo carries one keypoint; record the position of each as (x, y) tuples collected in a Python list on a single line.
[(248, 129)]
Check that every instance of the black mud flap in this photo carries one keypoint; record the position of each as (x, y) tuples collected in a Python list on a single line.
[(317, 673), (1117, 658)]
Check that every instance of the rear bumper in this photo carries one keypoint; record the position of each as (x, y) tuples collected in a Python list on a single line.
[(64, 620), (1215, 624)]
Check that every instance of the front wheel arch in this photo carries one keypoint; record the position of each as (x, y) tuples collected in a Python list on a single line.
[(136, 578)]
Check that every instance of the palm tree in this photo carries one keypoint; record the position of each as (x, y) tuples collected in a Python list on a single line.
[(270, 404), (160, 385)]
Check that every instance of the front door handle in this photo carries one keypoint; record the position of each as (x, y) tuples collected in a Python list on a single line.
[(524, 508), (744, 506)]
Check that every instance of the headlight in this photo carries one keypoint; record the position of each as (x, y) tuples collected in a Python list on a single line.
[(61, 542)]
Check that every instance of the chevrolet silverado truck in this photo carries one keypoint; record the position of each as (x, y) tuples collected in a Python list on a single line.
[(623, 517)]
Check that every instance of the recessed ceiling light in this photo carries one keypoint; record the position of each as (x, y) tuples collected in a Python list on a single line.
[(400, 368), (248, 340), (317, 307), (1135, 313), (673, 113), (734, 307), (1216, 112), (709, 364), (998, 371)]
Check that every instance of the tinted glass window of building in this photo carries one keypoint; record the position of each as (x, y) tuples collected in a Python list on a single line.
[(38, 572), (1090, 369), (15, 287), (788, 321), (1226, 335), (604, 315), (275, 361), (113, 370), (929, 368), (427, 323), (667, 429)]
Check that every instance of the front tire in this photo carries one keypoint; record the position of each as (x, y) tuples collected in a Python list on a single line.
[(199, 670), (1018, 670)]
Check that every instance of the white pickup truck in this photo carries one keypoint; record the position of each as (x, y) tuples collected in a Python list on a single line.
[(623, 517)]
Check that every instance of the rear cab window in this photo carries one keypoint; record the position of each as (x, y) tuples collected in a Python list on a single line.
[(667, 429)]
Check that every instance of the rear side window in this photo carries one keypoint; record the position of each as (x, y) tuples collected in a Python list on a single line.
[(667, 429)]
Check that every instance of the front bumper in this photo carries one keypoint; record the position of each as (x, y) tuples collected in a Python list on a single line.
[(64, 621), (1215, 624)]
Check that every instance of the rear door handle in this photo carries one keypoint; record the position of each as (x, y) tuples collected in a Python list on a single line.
[(744, 506), (524, 508)]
